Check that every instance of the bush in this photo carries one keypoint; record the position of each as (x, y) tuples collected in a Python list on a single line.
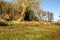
[(13, 23), (57, 23), (3, 24)]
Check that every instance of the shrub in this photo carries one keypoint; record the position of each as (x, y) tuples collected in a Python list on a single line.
[(57, 23), (3, 24)]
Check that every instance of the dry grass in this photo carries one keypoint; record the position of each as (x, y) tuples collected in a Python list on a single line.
[(30, 31)]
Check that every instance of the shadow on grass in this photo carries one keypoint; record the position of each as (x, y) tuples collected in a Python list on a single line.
[(3, 24)]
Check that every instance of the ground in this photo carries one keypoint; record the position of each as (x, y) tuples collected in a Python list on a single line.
[(30, 31)]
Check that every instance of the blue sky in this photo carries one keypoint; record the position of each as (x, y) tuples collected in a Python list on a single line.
[(52, 6), (7, 0)]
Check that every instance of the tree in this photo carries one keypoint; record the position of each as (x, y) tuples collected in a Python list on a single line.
[(24, 4), (5, 9), (50, 16), (23, 9), (0, 0), (59, 19)]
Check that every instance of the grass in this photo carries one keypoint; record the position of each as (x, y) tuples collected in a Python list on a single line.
[(30, 32)]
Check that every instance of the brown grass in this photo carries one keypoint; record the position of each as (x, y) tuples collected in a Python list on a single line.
[(30, 31)]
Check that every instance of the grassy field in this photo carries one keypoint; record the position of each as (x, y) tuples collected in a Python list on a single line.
[(30, 31)]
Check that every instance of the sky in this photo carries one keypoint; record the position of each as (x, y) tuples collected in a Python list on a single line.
[(51, 6), (7, 0)]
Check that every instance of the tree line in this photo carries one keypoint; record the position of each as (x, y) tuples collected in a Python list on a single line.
[(23, 10)]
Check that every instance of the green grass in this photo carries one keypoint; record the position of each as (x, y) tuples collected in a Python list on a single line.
[(30, 33), (13, 23)]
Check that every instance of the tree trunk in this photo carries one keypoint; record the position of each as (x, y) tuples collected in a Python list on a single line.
[(21, 18)]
